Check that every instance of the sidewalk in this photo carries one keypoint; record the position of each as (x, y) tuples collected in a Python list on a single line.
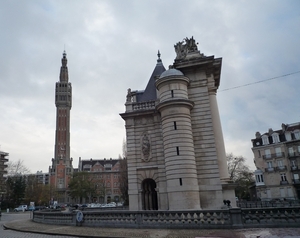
[(32, 227)]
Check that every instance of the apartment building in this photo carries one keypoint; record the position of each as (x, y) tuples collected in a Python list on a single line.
[(277, 159), (106, 176), (3, 166)]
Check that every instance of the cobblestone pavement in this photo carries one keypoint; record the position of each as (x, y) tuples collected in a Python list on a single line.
[(20, 225)]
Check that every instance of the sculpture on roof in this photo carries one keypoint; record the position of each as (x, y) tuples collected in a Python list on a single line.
[(182, 49), (128, 96)]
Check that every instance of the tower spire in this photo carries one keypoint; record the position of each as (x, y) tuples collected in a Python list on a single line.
[(64, 77)]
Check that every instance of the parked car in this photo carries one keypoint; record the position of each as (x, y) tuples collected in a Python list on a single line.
[(37, 208), (110, 205), (31, 208), (21, 208)]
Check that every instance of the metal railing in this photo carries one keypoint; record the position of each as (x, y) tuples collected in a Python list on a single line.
[(296, 181), (275, 155)]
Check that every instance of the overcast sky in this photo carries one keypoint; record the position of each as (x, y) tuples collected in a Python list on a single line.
[(112, 46)]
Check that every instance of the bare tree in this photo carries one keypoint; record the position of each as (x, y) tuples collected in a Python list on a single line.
[(240, 174), (236, 165), (124, 174), (17, 168)]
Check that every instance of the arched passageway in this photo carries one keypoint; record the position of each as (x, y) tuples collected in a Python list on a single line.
[(149, 195)]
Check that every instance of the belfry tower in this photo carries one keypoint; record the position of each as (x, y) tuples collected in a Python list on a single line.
[(62, 168)]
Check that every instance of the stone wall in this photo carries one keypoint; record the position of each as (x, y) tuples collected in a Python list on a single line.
[(204, 219)]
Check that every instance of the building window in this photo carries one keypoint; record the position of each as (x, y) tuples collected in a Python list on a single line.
[(107, 167), (269, 194), (278, 151), (275, 138), (180, 181), (297, 134), (280, 164), (290, 192), (259, 178), (288, 136), (172, 93), (283, 177), (291, 151), (282, 192), (265, 139), (267, 154), (175, 126), (269, 163), (177, 150)]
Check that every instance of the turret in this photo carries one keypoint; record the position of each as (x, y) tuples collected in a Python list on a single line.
[(180, 164)]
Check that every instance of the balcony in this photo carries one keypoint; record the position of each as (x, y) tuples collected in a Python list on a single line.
[(143, 105), (270, 169), (281, 168), (272, 156), (284, 182), (294, 168), (296, 181), (293, 154)]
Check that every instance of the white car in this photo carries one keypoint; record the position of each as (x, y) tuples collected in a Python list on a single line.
[(21, 208)]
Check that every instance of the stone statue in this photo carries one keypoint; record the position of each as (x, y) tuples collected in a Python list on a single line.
[(128, 97), (145, 144), (182, 49)]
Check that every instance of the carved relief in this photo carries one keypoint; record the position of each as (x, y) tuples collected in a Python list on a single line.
[(145, 147)]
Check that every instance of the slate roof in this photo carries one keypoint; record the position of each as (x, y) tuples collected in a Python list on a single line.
[(92, 162), (150, 92), (281, 132)]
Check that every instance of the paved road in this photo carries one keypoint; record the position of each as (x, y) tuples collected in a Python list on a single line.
[(7, 217)]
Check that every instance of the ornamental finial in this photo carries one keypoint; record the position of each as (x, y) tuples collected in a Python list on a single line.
[(158, 55)]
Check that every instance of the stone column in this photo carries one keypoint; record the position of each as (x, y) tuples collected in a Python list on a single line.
[(219, 140)]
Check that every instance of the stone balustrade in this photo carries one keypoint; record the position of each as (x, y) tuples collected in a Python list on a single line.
[(204, 219), (143, 105)]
